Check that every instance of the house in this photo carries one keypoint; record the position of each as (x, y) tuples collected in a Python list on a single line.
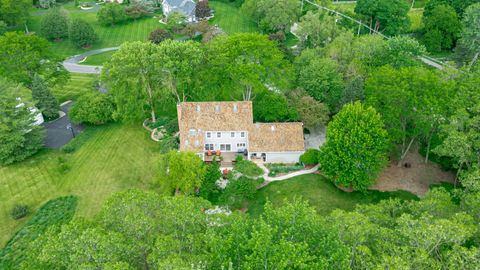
[(228, 127), (186, 7)]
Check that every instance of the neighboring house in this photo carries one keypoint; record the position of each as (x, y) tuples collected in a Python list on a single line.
[(228, 126), (186, 7), (38, 115)]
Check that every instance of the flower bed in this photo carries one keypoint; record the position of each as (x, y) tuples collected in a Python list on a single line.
[(277, 169)]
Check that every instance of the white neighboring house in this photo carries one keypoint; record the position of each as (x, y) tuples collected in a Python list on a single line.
[(38, 115), (228, 127), (186, 7)]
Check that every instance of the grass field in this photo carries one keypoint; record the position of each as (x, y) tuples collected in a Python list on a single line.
[(98, 59), (76, 86), (111, 158), (319, 192), (230, 18)]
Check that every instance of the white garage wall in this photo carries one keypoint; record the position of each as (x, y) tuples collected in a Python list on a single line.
[(281, 157)]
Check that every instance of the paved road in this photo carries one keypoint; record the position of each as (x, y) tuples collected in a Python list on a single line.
[(57, 134), (71, 63), (94, 9)]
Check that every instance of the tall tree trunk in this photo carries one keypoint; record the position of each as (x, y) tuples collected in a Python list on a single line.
[(150, 96), (429, 143), (405, 151), (475, 58)]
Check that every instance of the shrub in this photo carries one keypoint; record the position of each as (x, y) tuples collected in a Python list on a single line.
[(247, 167), (3, 27), (54, 25), (63, 165), (136, 11), (209, 189), (237, 191), (310, 157), (168, 143), (55, 212), (283, 168), (46, 101), (81, 33), (158, 35), (94, 108), (19, 211), (202, 10), (111, 13)]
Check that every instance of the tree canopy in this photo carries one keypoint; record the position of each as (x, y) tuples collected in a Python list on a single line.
[(386, 16), (273, 15)]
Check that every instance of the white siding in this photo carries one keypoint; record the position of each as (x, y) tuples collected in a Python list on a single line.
[(226, 138), (280, 157)]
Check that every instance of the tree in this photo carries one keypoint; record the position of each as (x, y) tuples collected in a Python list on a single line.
[(321, 79), (93, 108), (186, 171), (81, 33), (136, 11), (470, 37), (273, 15), (458, 5), (47, 3), (158, 35), (210, 189), (242, 64), (21, 56), (442, 28), (313, 113), (111, 13), (412, 101), (19, 135), (176, 21), (269, 106), (317, 29), (354, 160), (3, 27), (386, 16), (45, 100), (55, 23), (202, 10), (15, 12)]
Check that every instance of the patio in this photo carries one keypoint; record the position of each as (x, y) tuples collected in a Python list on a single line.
[(227, 159)]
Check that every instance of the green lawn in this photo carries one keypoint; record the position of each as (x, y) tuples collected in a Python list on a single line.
[(230, 18), (76, 86), (416, 24), (319, 192), (111, 158), (108, 36), (98, 59)]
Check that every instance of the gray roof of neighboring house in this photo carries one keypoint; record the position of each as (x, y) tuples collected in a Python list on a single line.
[(185, 6)]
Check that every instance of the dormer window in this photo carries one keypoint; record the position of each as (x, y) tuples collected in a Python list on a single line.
[(209, 134), (191, 132), (198, 108), (235, 108), (217, 108)]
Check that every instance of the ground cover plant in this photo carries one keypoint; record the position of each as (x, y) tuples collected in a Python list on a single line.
[(280, 168), (247, 167)]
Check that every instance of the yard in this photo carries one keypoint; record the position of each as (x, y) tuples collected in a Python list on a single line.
[(111, 158), (230, 18), (319, 192), (76, 85), (98, 59)]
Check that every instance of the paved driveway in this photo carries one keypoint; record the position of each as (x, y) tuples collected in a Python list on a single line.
[(57, 134)]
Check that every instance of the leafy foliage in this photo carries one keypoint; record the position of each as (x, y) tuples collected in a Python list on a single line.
[(46, 102), (310, 157), (55, 212), (93, 108), (247, 167), (317, 29), (111, 14), (15, 12), (210, 190), (202, 10), (470, 37), (273, 15), (386, 16), (19, 211), (158, 35), (442, 29), (356, 159), (237, 191), (186, 171), (269, 106), (81, 33), (55, 24)]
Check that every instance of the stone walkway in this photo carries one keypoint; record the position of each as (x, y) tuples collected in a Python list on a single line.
[(286, 176)]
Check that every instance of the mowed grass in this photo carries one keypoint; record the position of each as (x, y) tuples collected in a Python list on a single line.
[(231, 19), (98, 59), (319, 192), (416, 24), (108, 36), (111, 158), (77, 85)]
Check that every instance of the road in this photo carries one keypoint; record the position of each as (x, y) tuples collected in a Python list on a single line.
[(71, 63), (57, 134)]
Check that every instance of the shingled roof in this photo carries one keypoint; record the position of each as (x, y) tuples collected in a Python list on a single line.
[(238, 116)]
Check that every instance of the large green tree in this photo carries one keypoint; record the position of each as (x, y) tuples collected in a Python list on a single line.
[(15, 12), (458, 5), (239, 65), (111, 14), (55, 23), (317, 28), (93, 108), (45, 100), (269, 106), (386, 16), (442, 29), (81, 33), (470, 37), (356, 146), (185, 171), (19, 135), (273, 15)]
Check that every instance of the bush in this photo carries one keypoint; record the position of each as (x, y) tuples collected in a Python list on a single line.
[(111, 13), (237, 191), (94, 108), (202, 10), (54, 212), (3, 27), (136, 11), (168, 143), (158, 35), (283, 168), (19, 211), (247, 167), (46, 101), (310, 157), (81, 33), (63, 165), (54, 25), (209, 189)]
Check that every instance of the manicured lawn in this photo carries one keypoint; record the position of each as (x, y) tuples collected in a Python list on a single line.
[(98, 59), (108, 36), (76, 86), (110, 158), (230, 18), (319, 192)]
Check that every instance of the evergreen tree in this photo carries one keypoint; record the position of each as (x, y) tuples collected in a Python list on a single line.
[(81, 33), (19, 136), (46, 102), (54, 25)]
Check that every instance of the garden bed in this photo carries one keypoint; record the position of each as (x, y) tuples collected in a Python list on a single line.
[(279, 169)]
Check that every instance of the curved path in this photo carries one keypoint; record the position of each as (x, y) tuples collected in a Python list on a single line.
[(94, 9), (71, 63)]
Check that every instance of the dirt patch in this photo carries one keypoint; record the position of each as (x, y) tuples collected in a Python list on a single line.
[(414, 175)]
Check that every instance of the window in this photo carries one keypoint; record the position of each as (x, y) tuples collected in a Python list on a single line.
[(241, 145), (209, 134), (198, 108), (191, 132), (217, 108), (225, 147), (235, 108), (232, 134), (186, 142), (219, 134), (196, 143), (242, 134), (209, 146)]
